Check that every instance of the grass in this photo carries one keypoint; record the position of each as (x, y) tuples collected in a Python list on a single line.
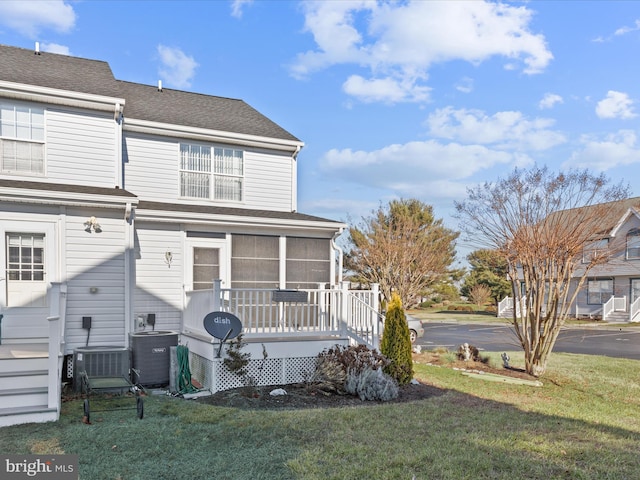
[(582, 424)]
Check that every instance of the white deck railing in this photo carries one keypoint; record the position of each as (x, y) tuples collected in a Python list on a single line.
[(634, 310), (324, 312), (608, 307)]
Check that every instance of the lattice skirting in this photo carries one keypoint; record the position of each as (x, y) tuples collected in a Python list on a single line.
[(215, 376)]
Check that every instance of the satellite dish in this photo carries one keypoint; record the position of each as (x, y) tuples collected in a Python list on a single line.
[(222, 325)]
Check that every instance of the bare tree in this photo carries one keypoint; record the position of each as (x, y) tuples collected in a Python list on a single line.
[(480, 294), (403, 248), (540, 222)]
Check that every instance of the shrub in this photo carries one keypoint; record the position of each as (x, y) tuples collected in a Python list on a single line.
[(371, 384), (396, 343), (335, 364)]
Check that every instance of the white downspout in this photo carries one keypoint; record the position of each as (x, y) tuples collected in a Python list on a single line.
[(336, 248)]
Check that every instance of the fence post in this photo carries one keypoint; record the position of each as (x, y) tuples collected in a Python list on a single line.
[(217, 294)]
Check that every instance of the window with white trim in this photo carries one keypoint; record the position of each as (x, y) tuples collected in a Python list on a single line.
[(21, 139), (25, 270), (599, 290), (633, 244), (213, 173)]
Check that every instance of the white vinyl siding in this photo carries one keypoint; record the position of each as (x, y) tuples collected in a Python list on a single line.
[(152, 173), (159, 284), (21, 139), (81, 148), (269, 181), (95, 260), (151, 169)]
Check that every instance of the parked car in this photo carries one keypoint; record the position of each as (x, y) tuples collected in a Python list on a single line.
[(416, 330)]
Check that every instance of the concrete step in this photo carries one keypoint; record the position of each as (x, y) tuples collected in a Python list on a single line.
[(24, 397), (27, 414), (30, 379)]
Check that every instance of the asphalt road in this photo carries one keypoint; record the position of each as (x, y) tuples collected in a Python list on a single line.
[(605, 340)]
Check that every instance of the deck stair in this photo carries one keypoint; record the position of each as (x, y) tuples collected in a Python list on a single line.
[(618, 317), (24, 385)]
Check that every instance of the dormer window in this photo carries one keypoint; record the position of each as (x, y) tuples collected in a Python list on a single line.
[(633, 244), (21, 139), (213, 173)]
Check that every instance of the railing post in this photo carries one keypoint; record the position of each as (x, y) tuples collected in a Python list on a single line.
[(344, 306), (55, 364), (217, 295)]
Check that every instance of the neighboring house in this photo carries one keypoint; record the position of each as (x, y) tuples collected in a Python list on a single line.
[(612, 290), (127, 207)]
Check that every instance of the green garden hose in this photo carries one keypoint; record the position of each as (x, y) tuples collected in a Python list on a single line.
[(184, 372)]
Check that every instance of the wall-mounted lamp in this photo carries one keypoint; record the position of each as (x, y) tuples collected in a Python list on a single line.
[(92, 225), (168, 258)]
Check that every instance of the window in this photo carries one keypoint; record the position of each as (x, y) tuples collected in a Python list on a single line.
[(26, 284), (308, 262), (213, 173), (599, 290), (594, 249), (633, 244), (21, 139)]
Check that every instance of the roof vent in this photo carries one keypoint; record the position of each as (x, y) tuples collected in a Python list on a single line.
[(37, 52), (159, 85)]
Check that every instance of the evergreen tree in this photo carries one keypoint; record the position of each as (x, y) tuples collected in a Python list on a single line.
[(396, 343)]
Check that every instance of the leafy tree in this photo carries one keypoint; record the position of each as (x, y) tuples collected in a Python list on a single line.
[(539, 223), (403, 248), (396, 343), (488, 268)]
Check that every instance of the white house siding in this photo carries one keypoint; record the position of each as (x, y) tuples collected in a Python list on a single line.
[(159, 285), (152, 173), (81, 148), (151, 167), (96, 261), (268, 181)]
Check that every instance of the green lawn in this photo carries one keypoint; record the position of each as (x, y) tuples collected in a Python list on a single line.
[(582, 424)]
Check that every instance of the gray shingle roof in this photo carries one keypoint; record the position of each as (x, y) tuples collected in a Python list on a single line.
[(65, 188), (231, 211), (51, 70), (142, 102)]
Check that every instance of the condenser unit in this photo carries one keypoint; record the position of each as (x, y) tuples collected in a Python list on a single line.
[(151, 356)]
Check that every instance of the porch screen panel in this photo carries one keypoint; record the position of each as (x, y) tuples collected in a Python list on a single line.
[(206, 267), (308, 262), (254, 261)]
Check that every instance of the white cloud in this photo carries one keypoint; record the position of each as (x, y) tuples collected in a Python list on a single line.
[(30, 17), (388, 90), (617, 149), (177, 67), (626, 29), (415, 166), (402, 40), (503, 130), (549, 101), (237, 6), (55, 48), (465, 85), (615, 105)]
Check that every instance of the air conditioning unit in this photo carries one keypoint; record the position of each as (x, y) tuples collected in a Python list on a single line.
[(100, 361), (151, 356)]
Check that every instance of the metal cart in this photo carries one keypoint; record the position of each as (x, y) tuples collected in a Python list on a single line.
[(106, 370)]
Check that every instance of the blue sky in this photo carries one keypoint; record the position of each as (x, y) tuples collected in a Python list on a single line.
[(393, 99)]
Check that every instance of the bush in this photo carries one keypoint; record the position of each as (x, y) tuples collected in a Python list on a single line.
[(371, 384), (334, 365), (396, 343)]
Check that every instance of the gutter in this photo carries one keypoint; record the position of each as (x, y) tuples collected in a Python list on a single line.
[(336, 248)]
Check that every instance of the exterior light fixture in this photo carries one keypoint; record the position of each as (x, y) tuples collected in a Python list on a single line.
[(92, 225)]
